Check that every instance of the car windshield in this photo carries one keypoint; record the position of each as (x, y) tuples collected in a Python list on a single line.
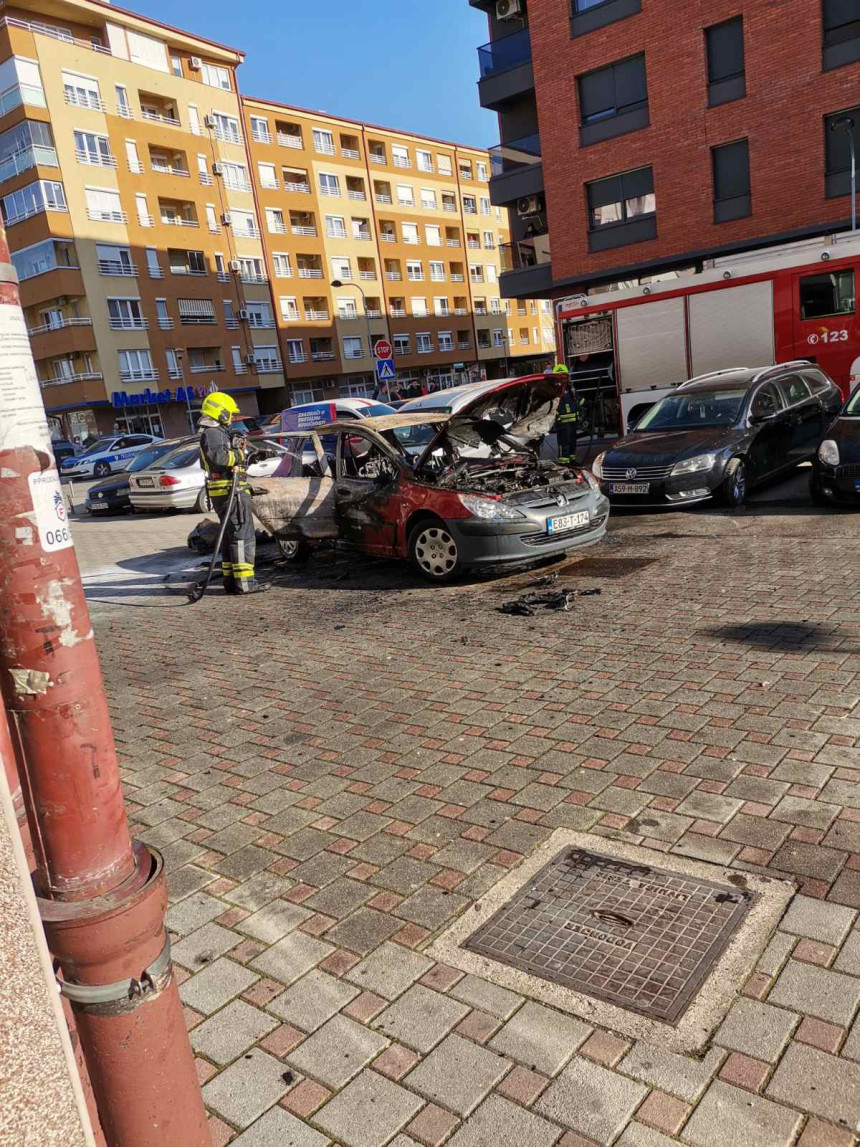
[(375, 410), (147, 457), (179, 458), (413, 437), (694, 410), (98, 447), (853, 406)]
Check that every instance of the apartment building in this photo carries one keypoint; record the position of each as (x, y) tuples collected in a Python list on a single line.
[(404, 226), (126, 193)]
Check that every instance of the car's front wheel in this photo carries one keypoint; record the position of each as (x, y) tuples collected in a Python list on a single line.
[(434, 553), (733, 491), (204, 503), (296, 551), (102, 469)]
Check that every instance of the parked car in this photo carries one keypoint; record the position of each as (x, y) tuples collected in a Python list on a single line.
[(107, 456), (177, 481), (63, 449), (440, 508), (111, 496), (344, 408), (720, 434), (836, 468)]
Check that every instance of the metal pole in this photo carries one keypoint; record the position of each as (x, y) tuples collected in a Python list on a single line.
[(101, 897), (853, 180)]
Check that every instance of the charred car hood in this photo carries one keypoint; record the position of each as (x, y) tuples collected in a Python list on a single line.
[(520, 408), (846, 432)]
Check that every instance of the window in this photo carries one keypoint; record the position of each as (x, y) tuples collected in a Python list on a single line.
[(465, 169), (724, 46), (335, 227), (414, 270), (174, 366), (163, 315), (227, 128), (841, 32), (329, 184), (400, 156), (483, 340), (428, 198), (498, 338), (621, 209), (437, 271), (434, 235), (341, 268), (275, 224), (289, 309), (215, 77), (346, 309), (104, 205), (401, 345), (244, 224), (123, 107), (132, 158), (142, 208), (323, 142), (153, 267), (268, 176), (405, 195), (489, 241), (476, 273), (446, 340), (267, 359), (731, 164), (486, 208), (125, 314), (281, 264), (419, 307), (203, 171), (176, 66), (353, 347), (260, 129), (194, 312), (194, 120), (823, 296), (252, 270), (424, 343), (470, 205), (295, 350), (481, 170), (93, 149), (444, 164), (82, 91), (613, 100), (495, 306), (590, 14), (423, 160), (793, 389), (441, 308), (491, 272), (236, 176), (766, 402), (259, 314), (410, 232), (135, 366), (837, 151)]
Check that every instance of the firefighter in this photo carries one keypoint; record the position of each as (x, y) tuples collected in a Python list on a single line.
[(570, 411), (222, 454)]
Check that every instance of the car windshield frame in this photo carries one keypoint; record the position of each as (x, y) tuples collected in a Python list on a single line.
[(650, 423), (98, 447), (852, 406)]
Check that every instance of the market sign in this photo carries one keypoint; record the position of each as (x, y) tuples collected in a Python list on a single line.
[(159, 397)]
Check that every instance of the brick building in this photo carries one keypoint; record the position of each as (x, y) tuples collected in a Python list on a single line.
[(640, 137)]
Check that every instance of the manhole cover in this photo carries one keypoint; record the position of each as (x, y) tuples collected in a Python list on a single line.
[(608, 567), (632, 935)]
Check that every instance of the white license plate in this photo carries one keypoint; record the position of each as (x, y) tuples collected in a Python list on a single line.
[(567, 522), (146, 482), (99, 506), (629, 487)]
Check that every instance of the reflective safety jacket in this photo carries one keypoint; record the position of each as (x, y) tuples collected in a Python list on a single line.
[(219, 460), (571, 408)]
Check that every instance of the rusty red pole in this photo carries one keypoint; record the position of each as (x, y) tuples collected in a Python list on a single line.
[(102, 899)]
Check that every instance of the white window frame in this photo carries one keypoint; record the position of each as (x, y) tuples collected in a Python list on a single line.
[(216, 77)]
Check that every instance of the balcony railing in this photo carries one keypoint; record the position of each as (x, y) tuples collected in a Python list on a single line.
[(166, 324), (524, 255), (128, 324), (373, 313), (358, 195), (350, 153), (178, 221), (316, 316), (463, 344), (358, 353), (401, 349), (423, 348), (55, 33), (398, 313), (455, 278), (323, 148), (147, 374), (303, 229), (401, 161), (82, 99), (106, 216), (382, 198), (175, 373), (197, 320), (167, 169), (336, 232), (58, 325), (310, 273), (135, 167), (377, 157), (223, 276), (232, 324), (362, 236), (514, 155), (369, 275), (474, 244), (461, 311), (387, 237), (505, 53), (80, 376), (448, 206), (145, 220), (259, 136), (206, 367), (117, 267), (322, 355), (393, 276), (26, 158), (205, 178), (334, 192), (297, 356), (269, 365), (304, 188), (251, 277), (452, 242), (17, 94), (159, 117), (287, 140)]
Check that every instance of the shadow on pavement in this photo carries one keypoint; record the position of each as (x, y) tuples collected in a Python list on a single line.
[(798, 637)]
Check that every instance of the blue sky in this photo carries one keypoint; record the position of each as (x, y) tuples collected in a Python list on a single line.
[(322, 54)]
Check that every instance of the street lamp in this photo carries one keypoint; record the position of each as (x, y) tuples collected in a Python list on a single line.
[(846, 123), (337, 284)]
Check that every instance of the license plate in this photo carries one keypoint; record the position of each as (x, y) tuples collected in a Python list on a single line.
[(629, 487), (146, 481), (567, 522), (99, 506)]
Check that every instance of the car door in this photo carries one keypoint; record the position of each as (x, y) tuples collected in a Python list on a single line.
[(770, 426), (366, 490), (805, 417)]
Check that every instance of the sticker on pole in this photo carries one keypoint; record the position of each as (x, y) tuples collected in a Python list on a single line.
[(22, 413), (50, 510)]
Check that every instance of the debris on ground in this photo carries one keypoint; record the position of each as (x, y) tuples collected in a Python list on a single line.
[(557, 600), (203, 537)]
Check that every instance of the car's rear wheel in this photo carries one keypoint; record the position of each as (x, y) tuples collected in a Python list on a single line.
[(204, 503), (296, 551), (101, 470), (434, 553), (733, 491)]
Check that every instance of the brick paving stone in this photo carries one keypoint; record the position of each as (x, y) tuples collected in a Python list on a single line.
[(605, 1048), (680, 1075), (811, 814), (432, 907), (498, 1122), (817, 920), (219, 982), (480, 993), (289, 959), (231, 1031), (819, 1134), (274, 921), (278, 1128), (730, 1117), (844, 835), (192, 912), (363, 931), (420, 1018), (638, 1135), (432, 1126), (744, 1071), (220, 1132), (337, 1051), (395, 1061), (814, 952), (707, 806), (522, 1086), (848, 959), (368, 1112), (663, 1112), (203, 946), (457, 1074), (817, 992), (776, 953), (826, 1037), (313, 1000), (592, 1100), (365, 1007), (756, 1029), (756, 831), (478, 1026), (541, 1039), (389, 970), (823, 1084), (808, 860), (708, 848), (846, 889), (247, 1088)]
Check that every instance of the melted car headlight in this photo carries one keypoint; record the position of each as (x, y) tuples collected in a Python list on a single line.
[(591, 480), (828, 452), (694, 465), (597, 465), (488, 509)]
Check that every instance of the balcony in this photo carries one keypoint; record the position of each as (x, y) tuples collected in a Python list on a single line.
[(359, 196), (350, 153), (261, 135), (26, 158), (354, 353), (506, 69), (398, 312), (401, 161), (377, 157), (198, 367), (449, 205), (452, 242), (387, 237), (269, 366), (156, 116), (117, 267), (322, 355), (17, 94), (179, 221), (81, 376), (370, 276), (175, 373), (526, 267), (310, 273), (303, 188), (164, 167), (316, 316), (302, 229), (393, 276), (383, 199), (58, 325), (286, 139), (516, 170), (78, 98), (145, 375), (99, 216), (464, 344), (362, 236), (128, 324), (296, 356)]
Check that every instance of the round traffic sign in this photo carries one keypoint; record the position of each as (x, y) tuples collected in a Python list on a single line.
[(383, 349)]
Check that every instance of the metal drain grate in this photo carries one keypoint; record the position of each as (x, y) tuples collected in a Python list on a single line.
[(638, 937)]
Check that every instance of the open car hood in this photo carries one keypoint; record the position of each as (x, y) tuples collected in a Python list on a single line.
[(519, 408)]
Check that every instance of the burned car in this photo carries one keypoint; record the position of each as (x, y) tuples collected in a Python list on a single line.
[(411, 486)]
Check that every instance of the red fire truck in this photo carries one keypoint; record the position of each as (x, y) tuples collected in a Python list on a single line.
[(628, 348)]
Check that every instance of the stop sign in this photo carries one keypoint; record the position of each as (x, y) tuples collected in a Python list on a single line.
[(383, 349)]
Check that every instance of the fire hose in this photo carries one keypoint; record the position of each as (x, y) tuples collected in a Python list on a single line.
[(201, 586)]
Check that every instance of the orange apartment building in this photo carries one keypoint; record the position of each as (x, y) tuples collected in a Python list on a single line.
[(171, 237)]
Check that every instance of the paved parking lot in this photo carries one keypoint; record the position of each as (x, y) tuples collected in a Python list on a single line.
[(337, 771)]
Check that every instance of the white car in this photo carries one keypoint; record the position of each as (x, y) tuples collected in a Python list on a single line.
[(109, 455), (176, 481)]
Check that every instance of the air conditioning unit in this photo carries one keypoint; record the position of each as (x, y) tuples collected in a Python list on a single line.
[(196, 63), (508, 9), (226, 219), (529, 205), (251, 359), (244, 316), (210, 121), (218, 168), (235, 265)]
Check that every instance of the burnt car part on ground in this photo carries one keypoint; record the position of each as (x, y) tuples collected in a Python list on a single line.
[(399, 485), (556, 600), (719, 435), (836, 466)]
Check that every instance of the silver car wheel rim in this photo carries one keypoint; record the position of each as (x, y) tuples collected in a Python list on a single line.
[(289, 549), (436, 551)]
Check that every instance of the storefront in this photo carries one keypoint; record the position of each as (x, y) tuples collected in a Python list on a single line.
[(169, 413)]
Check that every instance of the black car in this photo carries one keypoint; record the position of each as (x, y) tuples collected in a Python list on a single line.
[(836, 469), (110, 496), (64, 449), (718, 435)]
